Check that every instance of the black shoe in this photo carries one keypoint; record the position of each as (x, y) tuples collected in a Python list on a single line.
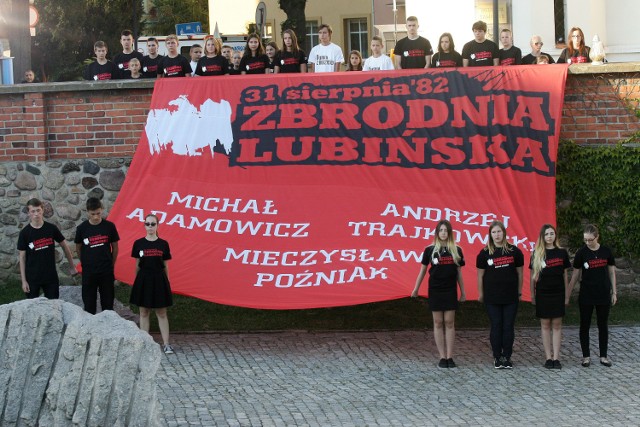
[(451, 363), (557, 364), (443, 363), (497, 363), (507, 364), (549, 364)]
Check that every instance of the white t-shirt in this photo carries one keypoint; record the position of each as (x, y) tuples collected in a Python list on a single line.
[(325, 58), (383, 62)]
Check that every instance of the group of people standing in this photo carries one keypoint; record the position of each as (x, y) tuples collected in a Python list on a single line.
[(500, 277), (96, 241)]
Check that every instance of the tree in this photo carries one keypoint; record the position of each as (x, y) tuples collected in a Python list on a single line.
[(165, 14), (68, 29), (296, 20)]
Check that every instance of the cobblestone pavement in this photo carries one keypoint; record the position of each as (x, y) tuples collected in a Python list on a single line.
[(391, 378)]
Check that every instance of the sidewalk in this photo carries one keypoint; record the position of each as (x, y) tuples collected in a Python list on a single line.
[(391, 378)]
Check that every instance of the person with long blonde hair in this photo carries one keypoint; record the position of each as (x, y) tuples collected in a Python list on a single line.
[(445, 261), (549, 284), (499, 267)]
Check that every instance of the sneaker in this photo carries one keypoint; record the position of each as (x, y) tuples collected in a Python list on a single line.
[(507, 364), (451, 363), (557, 364), (443, 363), (497, 363), (605, 362), (167, 349), (549, 364)]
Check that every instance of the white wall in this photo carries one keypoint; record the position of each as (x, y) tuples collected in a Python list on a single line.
[(232, 16), (437, 17)]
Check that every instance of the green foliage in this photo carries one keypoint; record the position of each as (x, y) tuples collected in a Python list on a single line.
[(68, 29), (167, 13), (600, 185)]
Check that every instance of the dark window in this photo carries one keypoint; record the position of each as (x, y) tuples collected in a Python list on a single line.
[(558, 17)]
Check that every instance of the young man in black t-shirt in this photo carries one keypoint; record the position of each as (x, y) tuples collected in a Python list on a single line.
[(480, 52), (97, 246), (102, 68), (150, 62), (122, 59), (174, 64), (37, 254), (413, 51)]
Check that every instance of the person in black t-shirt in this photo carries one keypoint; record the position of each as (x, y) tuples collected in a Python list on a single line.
[(212, 63), (150, 61), (576, 51), (509, 54), (37, 254), (292, 58), (595, 268), (234, 67), (102, 68), (413, 51), (254, 60), (480, 52), (536, 52), (445, 261), (122, 59), (273, 54), (446, 56), (174, 64), (30, 77), (499, 267), (97, 246)]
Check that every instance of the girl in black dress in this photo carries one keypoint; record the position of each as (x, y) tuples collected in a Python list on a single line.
[(151, 289), (549, 282), (595, 267), (446, 261), (499, 267)]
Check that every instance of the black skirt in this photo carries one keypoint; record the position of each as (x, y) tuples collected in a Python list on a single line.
[(550, 302), (151, 289), (443, 299)]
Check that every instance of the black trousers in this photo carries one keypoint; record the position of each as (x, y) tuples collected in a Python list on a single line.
[(92, 284), (602, 318)]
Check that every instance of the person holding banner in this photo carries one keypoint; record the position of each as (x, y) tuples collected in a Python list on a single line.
[(151, 289), (445, 261), (254, 60), (325, 57), (595, 268), (446, 56), (499, 267), (549, 283), (480, 52), (212, 63), (292, 58), (576, 51)]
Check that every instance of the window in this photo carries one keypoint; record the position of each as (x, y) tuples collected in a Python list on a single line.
[(558, 18), (484, 12), (312, 33), (357, 36)]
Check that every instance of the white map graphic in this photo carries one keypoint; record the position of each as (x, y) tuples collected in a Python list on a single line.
[(189, 129)]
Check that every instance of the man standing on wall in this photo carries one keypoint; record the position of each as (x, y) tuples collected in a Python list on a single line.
[(122, 59), (325, 57), (413, 51)]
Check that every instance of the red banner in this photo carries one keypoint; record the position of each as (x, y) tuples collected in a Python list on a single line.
[(301, 191)]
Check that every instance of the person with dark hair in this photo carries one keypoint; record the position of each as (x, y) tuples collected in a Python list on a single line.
[(499, 267), (549, 284), (292, 58), (355, 61), (212, 63), (150, 61), (273, 54), (536, 52), (97, 247), (122, 59), (446, 56), (595, 268), (151, 289), (102, 68), (226, 52), (254, 60), (445, 261), (413, 51), (37, 254), (325, 57), (30, 77), (576, 51), (509, 54), (195, 53), (480, 52)]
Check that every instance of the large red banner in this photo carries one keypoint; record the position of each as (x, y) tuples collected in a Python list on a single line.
[(302, 191)]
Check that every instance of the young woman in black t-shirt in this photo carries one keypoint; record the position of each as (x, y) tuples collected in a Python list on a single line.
[(254, 60), (549, 282), (595, 268), (444, 260), (576, 51), (292, 58), (273, 54), (499, 267), (446, 57), (212, 63)]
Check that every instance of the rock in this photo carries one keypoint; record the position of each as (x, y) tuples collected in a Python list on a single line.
[(61, 366), (109, 163), (13, 193), (11, 231), (7, 247), (62, 194), (48, 209), (53, 179), (7, 219), (33, 170), (48, 194), (12, 174), (625, 277), (111, 180), (2, 192), (72, 179), (3, 170), (53, 164), (74, 199), (70, 167), (25, 181), (89, 182), (623, 263), (90, 167), (67, 211), (20, 167), (5, 263), (96, 192), (67, 225), (4, 182)]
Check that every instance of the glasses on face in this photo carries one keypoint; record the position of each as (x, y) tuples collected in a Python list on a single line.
[(576, 36), (589, 240), (150, 224), (539, 44)]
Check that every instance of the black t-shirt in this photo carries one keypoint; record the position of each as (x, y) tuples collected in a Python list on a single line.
[(96, 240), (215, 66), (446, 60), (551, 276), (39, 246), (122, 62), (151, 253), (480, 54), (289, 63), (96, 71), (500, 279), (530, 59), (150, 66), (576, 58), (595, 284), (178, 66), (443, 271), (511, 56), (413, 52), (254, 64)]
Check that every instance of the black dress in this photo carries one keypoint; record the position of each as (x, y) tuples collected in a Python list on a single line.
[(443, 278), (151, 287), (550, 292)]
